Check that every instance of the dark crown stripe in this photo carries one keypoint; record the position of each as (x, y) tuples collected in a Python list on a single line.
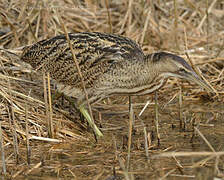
[(160, 56)]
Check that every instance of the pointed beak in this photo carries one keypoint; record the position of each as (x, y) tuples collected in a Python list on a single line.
[(193, 77)]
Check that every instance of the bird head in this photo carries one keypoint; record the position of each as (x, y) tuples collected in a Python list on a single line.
[(170, 65)]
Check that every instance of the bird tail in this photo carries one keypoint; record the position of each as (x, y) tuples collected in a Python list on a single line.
[(13, 52), (13, 57)]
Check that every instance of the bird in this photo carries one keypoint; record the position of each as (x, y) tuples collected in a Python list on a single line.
[(110, 65)]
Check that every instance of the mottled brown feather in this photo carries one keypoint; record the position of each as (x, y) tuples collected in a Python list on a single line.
[(95, 52), (110, 64)]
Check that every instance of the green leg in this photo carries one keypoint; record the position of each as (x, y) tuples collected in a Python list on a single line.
[(56, 96), (83, 111), (91, 123)]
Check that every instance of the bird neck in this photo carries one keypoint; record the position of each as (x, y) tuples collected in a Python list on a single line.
[(151, 67)]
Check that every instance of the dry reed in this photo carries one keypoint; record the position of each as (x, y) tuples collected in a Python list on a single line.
[(55, 142)]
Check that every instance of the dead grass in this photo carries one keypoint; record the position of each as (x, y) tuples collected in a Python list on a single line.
[(44, 140)]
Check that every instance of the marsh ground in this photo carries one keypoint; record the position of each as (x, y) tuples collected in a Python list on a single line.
[(192, 27)]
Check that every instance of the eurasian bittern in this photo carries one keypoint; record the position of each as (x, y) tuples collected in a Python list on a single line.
[(110, 64)]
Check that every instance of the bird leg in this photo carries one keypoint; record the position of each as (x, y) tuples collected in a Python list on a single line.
[(129, 107), (157, 119), (82, 103), (58, 95), (84, 113), (90, 121)]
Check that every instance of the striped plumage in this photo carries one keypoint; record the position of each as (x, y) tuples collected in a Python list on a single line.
[(110, 64)]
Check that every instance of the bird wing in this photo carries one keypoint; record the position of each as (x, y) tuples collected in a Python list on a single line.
[(95, 53)]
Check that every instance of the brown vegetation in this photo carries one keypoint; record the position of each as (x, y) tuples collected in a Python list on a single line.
[(192, 29)]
